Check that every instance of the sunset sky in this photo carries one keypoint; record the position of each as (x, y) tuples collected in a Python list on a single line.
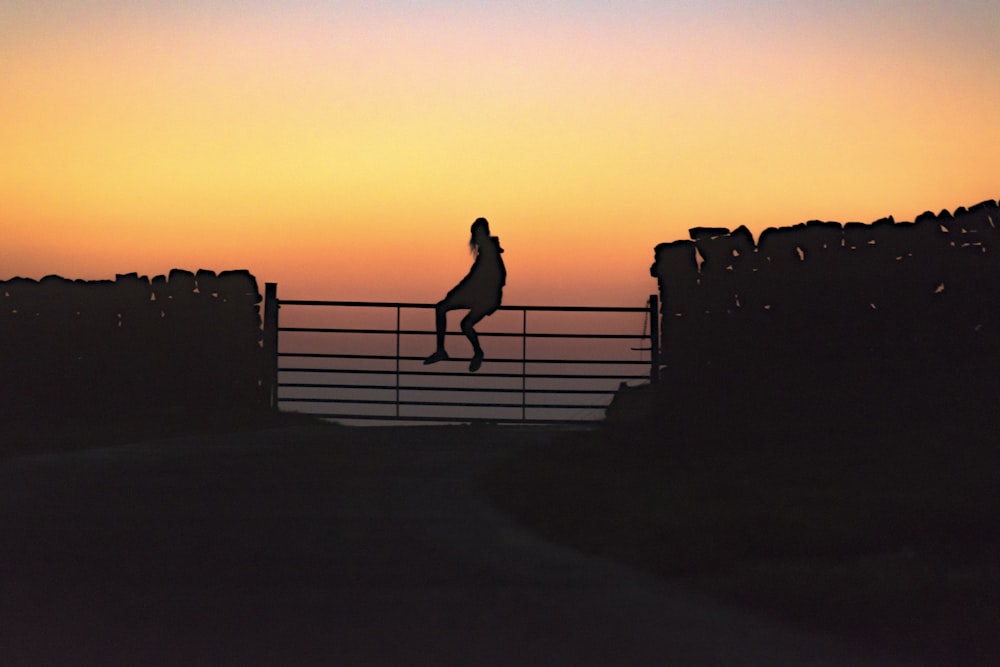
[(342, 149)]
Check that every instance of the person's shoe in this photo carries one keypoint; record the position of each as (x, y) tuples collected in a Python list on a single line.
[(440, 355), (477, 361)]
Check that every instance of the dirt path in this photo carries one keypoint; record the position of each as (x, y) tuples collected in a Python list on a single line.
[(330, 546)]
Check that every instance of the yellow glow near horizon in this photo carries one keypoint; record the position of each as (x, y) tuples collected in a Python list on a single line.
[(344, 154)]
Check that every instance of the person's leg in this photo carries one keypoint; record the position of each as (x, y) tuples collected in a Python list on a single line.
[(441, 323), (440, 329), (468, 322)]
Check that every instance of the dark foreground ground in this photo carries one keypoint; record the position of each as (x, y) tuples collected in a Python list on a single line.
[(884, 530), (321, 545)]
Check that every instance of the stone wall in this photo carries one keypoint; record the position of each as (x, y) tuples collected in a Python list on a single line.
[(183, 345), (882, 311)]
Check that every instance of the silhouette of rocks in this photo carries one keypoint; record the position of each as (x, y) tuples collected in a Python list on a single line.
[(821, 319), (187, 346)]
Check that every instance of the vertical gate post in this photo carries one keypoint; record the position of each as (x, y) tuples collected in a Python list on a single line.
[(398, 321), (524, 364), (271, 343), (654, 339)]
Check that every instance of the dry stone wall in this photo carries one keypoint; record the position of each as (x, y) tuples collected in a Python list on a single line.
[(178, 346), (873, 311)]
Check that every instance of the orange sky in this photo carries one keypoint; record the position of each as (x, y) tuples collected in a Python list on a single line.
[(343, 152)]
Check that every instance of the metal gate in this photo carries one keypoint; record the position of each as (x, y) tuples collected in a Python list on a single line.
[(358, 360)]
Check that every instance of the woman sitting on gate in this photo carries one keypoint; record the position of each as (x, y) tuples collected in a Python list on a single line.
[(480, 291)]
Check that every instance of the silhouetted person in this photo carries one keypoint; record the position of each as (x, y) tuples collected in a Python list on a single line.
[(480, 291)]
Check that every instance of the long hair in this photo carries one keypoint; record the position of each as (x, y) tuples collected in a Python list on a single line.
[(473, 246)]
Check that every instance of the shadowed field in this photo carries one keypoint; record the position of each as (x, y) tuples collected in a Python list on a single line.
[(318, 545), (882, 533)]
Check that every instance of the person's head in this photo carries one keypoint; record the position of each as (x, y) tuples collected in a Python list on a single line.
[(480, 232)]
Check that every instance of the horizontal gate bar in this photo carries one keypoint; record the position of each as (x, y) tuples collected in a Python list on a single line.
[(460, 404), (538, 376), (482, 334), (497, 360), (393, 304), (464, 420), (489, 390)]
